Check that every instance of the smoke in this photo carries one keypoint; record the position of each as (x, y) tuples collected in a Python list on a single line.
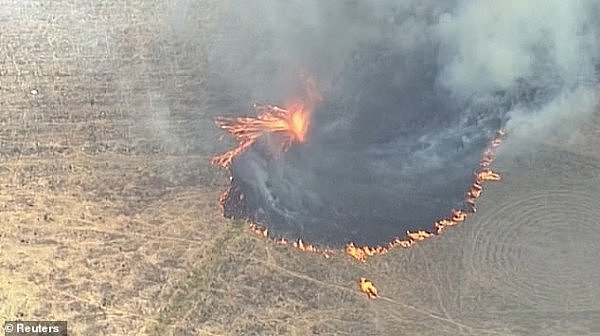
[(543, 53), (413, 91)]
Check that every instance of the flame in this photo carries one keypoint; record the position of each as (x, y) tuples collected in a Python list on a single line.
[(404, 243), (488, 175), (299, 122), (442, 224), (263, 232), (458, 216), (362, 253), (475, 191), (367, 287), (357, 253), (292, 123), (418, 235)]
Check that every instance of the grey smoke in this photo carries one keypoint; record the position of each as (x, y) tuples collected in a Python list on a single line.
[(413, 90)]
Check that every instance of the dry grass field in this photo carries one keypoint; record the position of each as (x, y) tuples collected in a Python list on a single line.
[(109, 216)]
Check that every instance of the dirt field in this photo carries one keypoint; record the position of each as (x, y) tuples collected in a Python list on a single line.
[(109, 216)]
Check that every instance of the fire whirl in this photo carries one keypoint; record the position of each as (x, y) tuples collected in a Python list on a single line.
[(292, 123), (289, 125)]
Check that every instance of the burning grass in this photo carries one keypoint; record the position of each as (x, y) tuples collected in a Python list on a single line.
[(291, 125), (367, 287)]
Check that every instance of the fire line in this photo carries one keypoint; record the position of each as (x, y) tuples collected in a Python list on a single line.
[(292, 123)]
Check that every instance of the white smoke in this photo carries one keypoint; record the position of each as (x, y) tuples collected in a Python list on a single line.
[(412, 89), (483, 47), (549, 44)]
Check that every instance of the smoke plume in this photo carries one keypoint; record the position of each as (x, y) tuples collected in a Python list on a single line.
[(413, 90)]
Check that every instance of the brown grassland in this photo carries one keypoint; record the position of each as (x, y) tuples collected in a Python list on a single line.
[(109, 216)]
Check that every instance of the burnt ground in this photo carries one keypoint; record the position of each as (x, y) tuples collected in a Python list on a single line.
[(109, 219)]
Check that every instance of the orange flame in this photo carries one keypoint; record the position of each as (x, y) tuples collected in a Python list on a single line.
[(418, 235), (458, 216), (367, 287), (356, 252), (475, 191), (362, 253), (292, 122), (488, 175), (404, 243), (299, 122), (442, 224)]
